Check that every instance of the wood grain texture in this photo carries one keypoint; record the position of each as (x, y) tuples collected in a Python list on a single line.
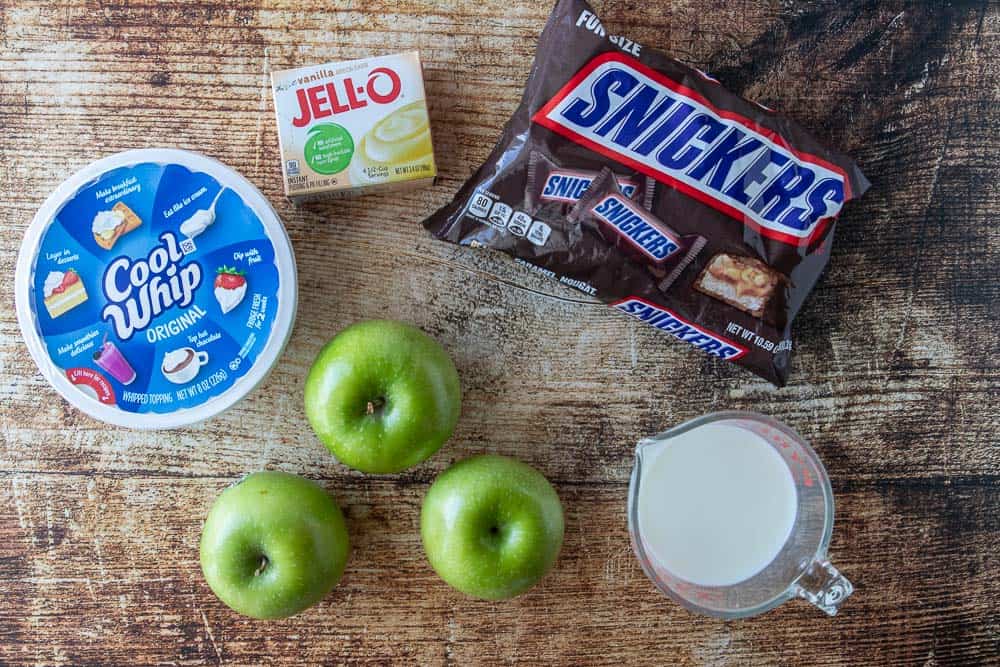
[(895, 378)]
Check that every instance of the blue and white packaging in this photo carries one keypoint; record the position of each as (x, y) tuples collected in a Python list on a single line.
[(155, 288)]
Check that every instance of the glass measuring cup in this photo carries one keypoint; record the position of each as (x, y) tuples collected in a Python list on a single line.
[(798, 568)]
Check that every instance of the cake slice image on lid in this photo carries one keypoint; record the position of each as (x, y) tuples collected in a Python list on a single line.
[(63, 292)]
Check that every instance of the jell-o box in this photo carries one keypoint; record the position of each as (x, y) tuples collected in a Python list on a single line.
[(353, 127)]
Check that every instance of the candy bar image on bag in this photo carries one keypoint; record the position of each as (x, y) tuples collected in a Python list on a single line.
[(549, 183), (730, 175), (742, 282), (635, 230)]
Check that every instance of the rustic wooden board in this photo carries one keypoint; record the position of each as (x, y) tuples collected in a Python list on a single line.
[(895, 380)]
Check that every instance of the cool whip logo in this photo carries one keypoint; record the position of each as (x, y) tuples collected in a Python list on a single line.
[(620, 108), (663, 319), (651, 241), (139, 290), (342, 95), (568, 187)]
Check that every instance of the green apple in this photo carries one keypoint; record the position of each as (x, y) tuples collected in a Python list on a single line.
[(382, 396), (491, 526), (273, 544)]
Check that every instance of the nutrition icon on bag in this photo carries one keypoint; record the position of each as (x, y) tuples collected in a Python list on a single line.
[(519, 223)]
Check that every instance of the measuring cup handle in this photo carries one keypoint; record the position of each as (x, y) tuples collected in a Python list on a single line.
[(824, 586)]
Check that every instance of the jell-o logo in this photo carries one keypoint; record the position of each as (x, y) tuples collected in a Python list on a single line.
[(139, 290), (342, 96)]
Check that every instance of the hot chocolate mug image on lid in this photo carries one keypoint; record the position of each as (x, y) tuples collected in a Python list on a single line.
[(155, 288), (181, 366)]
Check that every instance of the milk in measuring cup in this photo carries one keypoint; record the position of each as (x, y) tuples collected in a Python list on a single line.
[(716, 504)]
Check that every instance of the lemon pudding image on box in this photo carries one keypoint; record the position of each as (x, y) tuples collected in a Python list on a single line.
[(350, 127)]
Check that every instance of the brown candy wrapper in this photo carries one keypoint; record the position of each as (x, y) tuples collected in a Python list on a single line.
[(634, 230), (754, 192), (553, 190)]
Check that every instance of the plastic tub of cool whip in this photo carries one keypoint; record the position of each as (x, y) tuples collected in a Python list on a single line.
[(155, 288)]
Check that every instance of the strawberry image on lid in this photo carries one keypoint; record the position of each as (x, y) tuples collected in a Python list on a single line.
[(230, 287)]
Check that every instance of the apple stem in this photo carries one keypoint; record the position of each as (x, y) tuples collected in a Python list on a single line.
[(261, 567), (374, 405)]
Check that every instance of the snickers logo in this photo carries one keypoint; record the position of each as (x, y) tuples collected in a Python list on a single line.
[(569, 187), (649, 239), (618, 107), (663, 319)]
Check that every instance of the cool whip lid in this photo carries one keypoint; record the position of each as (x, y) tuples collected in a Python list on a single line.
[(155, 288)]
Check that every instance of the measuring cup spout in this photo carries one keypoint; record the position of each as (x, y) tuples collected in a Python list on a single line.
[(824, 586)]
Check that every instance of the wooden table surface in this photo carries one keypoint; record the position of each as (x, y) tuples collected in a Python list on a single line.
[(895, 379)]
